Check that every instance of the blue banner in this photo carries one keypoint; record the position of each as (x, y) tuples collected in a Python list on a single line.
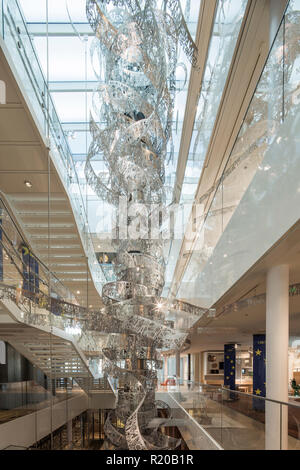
[(229, 366), (259, 370)]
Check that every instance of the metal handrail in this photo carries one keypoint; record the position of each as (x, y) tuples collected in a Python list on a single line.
[(272, 400), (224, 389)]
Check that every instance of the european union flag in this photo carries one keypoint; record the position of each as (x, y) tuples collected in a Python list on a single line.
[(259, 370), (229, 366)]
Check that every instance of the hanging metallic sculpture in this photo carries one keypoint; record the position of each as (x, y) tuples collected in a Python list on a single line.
[(136, 47)]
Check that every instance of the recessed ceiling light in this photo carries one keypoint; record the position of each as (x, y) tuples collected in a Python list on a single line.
[(28, 184), (78, 292)]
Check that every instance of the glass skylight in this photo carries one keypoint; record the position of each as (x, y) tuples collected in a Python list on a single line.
[(72, 81)]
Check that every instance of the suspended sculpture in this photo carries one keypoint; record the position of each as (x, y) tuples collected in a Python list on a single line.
[(136, 46)]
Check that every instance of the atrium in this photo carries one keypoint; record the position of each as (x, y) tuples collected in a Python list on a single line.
[(149, 226)]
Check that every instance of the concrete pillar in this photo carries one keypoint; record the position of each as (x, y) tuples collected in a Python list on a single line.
[(277, 343), (197, 367), (165, 368), (202, 367), (178, 365)]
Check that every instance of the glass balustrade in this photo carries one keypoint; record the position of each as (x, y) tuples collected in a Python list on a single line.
[(25, 280), (19, 399), (233, 419)]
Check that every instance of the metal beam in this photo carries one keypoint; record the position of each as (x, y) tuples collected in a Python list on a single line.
[(39, 29)]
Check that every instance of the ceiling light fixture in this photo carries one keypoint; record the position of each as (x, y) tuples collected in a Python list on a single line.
[(28, 184)]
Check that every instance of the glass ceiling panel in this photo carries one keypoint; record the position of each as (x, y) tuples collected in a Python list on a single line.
[(71, 107), (67, 59), (70, 67), (36, 11)]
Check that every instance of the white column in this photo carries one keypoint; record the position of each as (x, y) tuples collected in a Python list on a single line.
[(277, 343), (178, 365), (165, 367), (197, 367)]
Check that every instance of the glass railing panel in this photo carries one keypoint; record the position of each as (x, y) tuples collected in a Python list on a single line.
[(46, 413), (22, 56), (29, 291), (19, 399), (236, 420), (25, 282), (203, 404), (293, 422), (194, 409), (243, 421), (19, 261)]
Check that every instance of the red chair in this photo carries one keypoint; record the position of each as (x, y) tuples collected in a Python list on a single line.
[(169, 381)]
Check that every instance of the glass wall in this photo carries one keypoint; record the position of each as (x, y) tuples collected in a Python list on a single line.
[(236, 230), (226, 28)]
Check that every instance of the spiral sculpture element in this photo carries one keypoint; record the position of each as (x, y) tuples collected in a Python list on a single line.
[(136, 48)]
